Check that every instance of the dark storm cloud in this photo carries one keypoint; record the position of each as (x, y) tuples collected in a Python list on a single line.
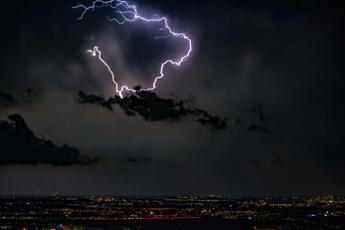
[(19, 145), (153, 108)]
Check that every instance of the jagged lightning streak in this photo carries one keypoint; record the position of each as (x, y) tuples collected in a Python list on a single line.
[(129, 13)]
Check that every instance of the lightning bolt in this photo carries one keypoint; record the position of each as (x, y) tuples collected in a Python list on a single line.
[(128, 13)]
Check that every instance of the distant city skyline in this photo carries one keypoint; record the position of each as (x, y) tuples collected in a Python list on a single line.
[(184, 212)]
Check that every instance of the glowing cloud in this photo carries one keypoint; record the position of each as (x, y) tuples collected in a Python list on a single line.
[(125, 12)]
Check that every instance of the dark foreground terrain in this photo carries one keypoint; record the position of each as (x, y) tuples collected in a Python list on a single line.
[(164, 213)]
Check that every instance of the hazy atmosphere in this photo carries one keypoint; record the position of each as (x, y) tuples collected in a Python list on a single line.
[(257, 109)]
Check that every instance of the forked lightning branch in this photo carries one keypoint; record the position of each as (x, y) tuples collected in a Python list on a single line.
[(125, 12)]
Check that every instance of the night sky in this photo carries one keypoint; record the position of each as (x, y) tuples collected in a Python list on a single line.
[(271, 71)]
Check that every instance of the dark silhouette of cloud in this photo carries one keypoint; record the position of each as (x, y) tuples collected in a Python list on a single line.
[(31, 92), (151, 107), (258, 128), (7, 99), (30, 95), (139, 160), (238, 122), (19, 145), (16, 98)]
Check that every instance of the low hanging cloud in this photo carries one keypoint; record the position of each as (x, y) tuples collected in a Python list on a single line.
[(18, 97), (257, 128), (151, 107), (19, 145), (7, 99)]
